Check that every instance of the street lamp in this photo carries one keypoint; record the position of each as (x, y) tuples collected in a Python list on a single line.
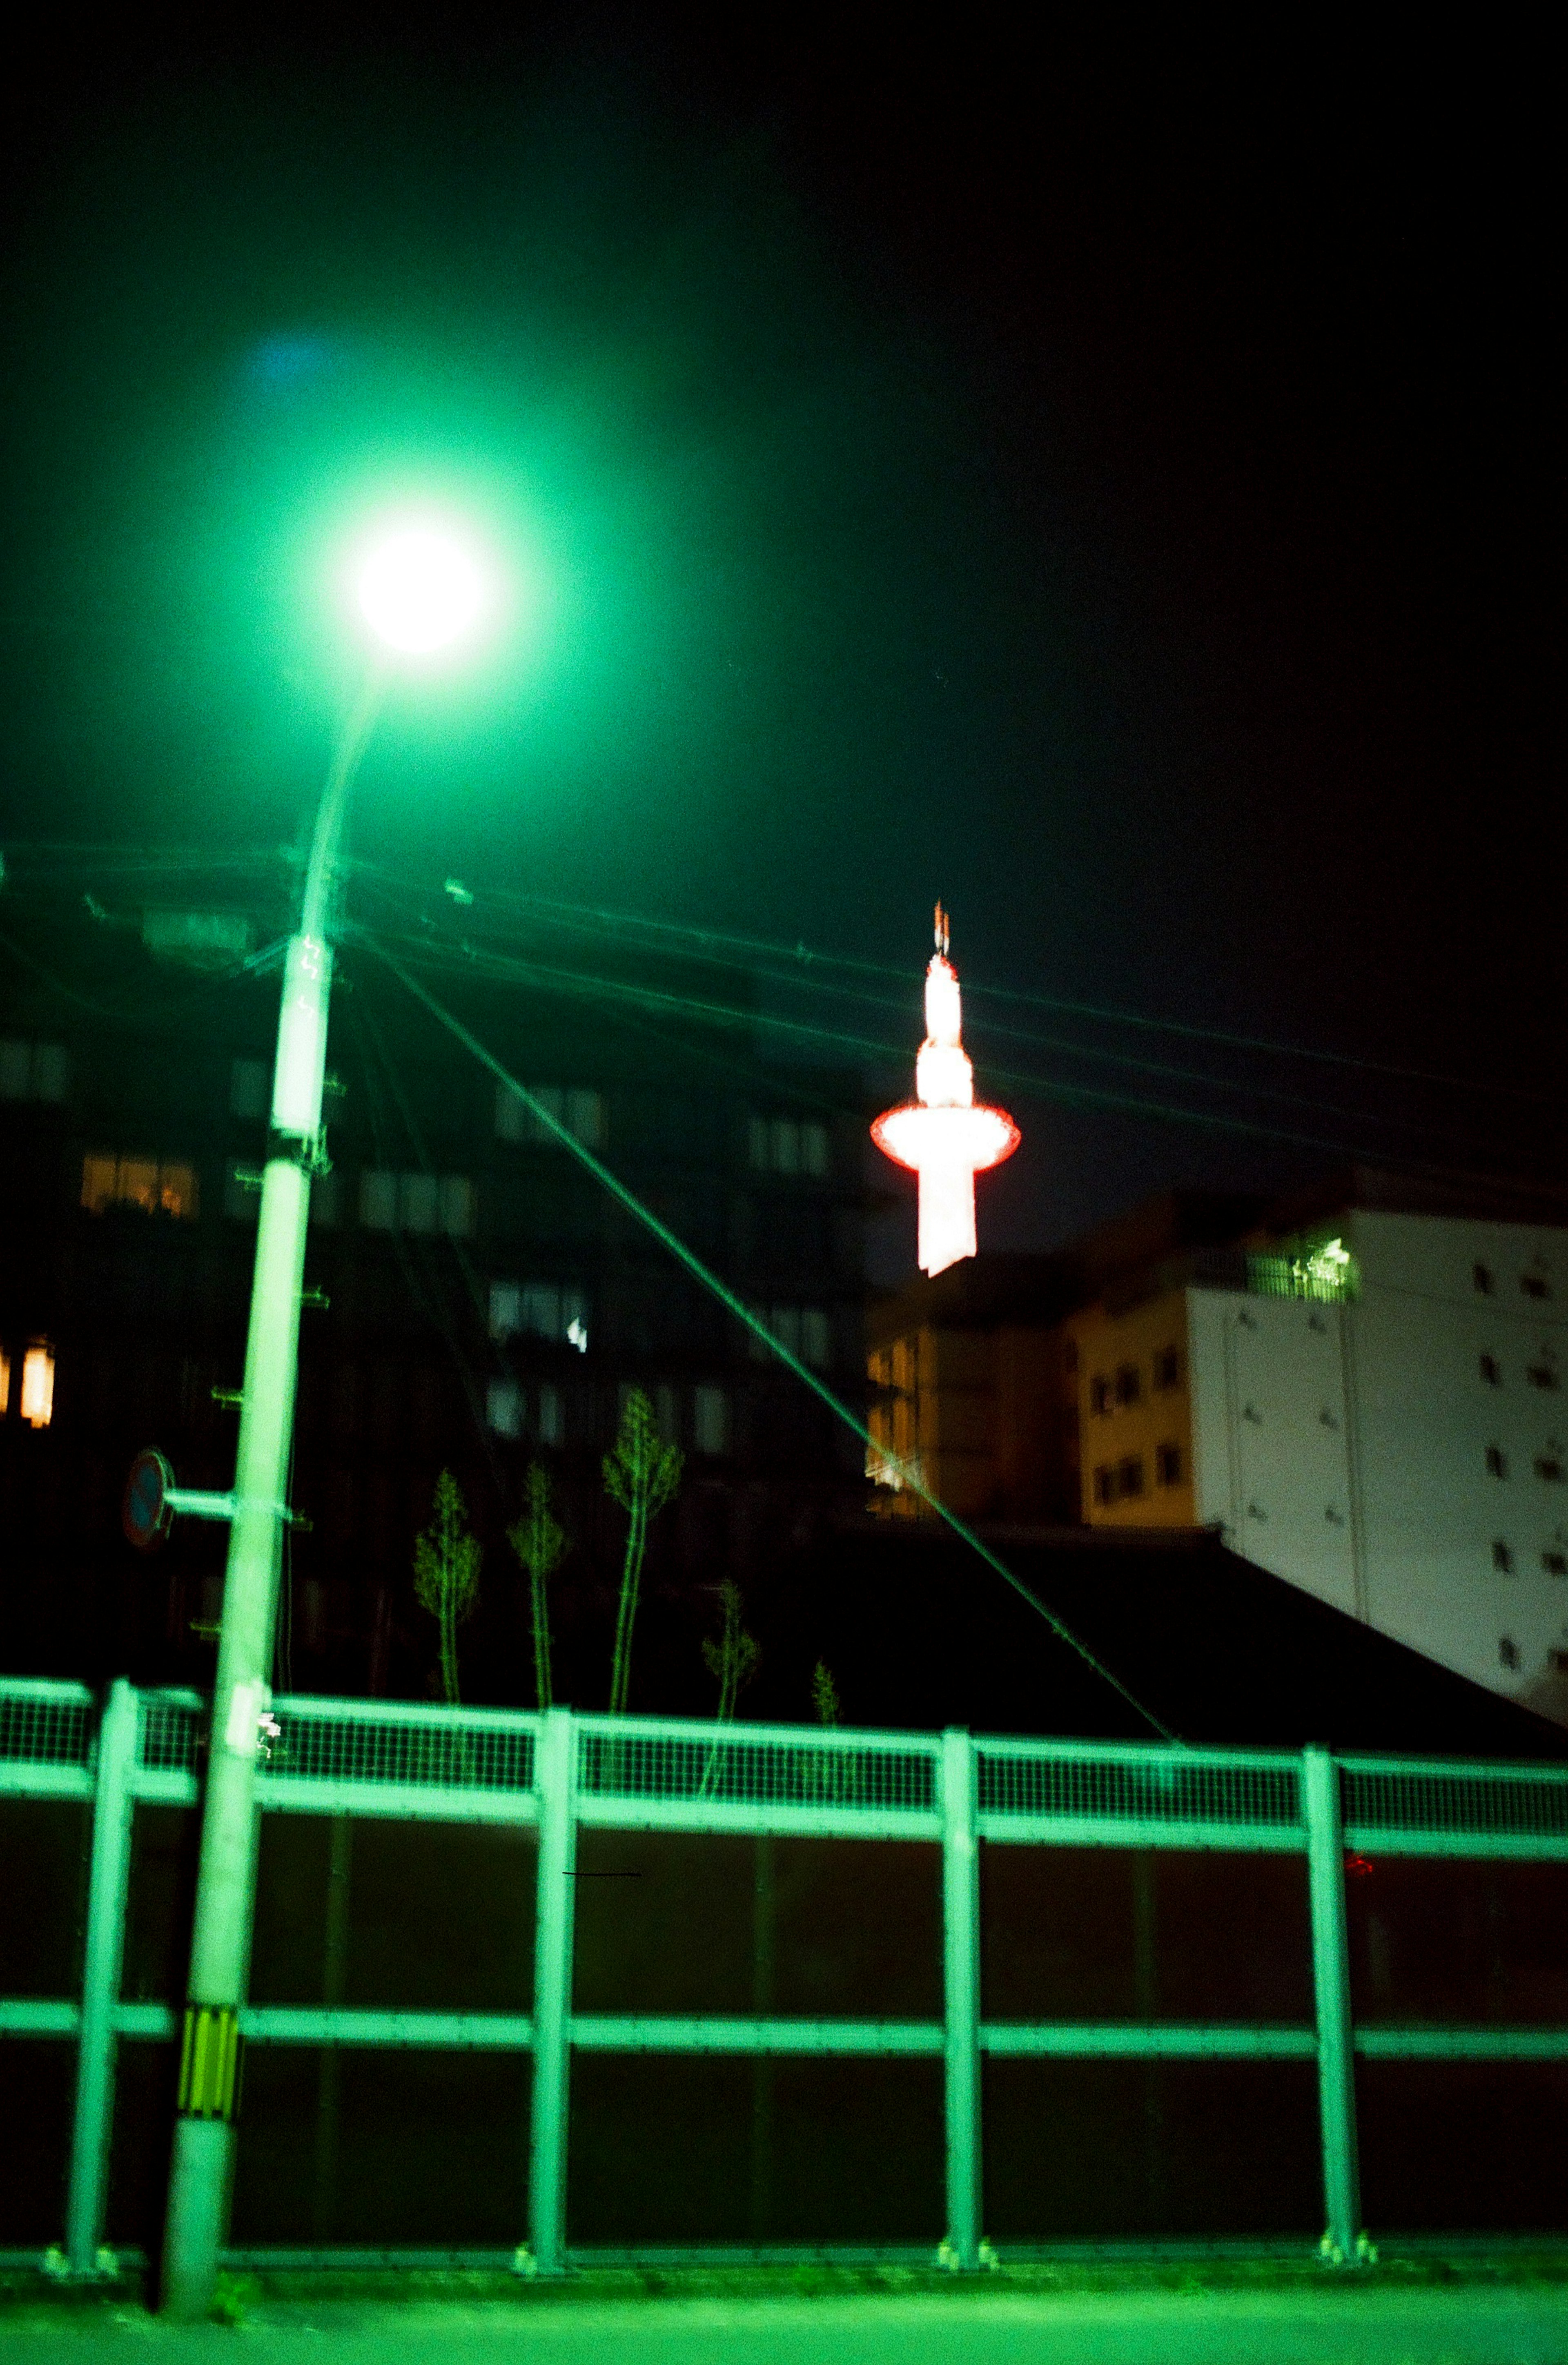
[(421, 590)]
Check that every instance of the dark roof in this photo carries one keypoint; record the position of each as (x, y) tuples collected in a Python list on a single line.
[(918, 1633)]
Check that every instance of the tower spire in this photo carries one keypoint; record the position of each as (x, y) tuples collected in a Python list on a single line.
[(943, 1134)]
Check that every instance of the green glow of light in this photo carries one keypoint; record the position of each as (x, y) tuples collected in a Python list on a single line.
[(1323, 1271), (420, 588)]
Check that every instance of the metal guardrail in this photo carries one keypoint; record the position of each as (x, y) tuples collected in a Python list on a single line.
[(562, 1773)]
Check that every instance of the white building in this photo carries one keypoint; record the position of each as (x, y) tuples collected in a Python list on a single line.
[(1389, 1433)]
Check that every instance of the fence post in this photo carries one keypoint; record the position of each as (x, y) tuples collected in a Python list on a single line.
[(960, 1949), (555, 1780), (113, 1805), (1343, 2240)]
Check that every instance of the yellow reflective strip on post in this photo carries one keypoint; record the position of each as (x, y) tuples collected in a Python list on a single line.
[(209, 2063)]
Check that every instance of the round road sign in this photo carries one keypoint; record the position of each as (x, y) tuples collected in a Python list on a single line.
[(145, 1514)]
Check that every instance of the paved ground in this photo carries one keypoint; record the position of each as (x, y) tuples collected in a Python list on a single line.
[(1464, 2323)]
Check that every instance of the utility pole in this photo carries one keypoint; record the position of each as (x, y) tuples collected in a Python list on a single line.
[(201, 2172)]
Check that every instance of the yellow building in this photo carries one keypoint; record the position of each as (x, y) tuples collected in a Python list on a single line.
[(972, 1397), (1135, 1414)]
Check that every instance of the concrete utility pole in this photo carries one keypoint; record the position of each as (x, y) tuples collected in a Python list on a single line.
[(417, 594), (202, 2169)]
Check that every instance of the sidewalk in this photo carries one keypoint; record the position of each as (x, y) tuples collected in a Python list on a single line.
[(1473, 2321)]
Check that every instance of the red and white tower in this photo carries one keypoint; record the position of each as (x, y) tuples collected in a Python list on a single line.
[(945, 1135)]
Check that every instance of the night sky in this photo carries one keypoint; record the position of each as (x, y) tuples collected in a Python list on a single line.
[(1114, 488)]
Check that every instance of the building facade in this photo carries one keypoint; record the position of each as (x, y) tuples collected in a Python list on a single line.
[(1372, 1407), (475, 1300)]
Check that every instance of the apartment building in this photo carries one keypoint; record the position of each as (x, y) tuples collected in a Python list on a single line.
[(1368, 1404), (475, 1299)]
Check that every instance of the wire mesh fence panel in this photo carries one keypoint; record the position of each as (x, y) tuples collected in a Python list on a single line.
[(1458, 1942), (755, 1767), (395, 1915), (1472, 1808), (46, 1724), (44, 1847), (172, 1733), (1475, 2146), (159, 1896), (1131, 1935), (36, 2077), (1169, 1790), (685, 2151), (757, 1926), (1106, 2151), (351, 2147), (412, 1749)]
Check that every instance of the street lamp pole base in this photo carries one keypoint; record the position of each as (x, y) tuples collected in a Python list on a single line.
[(193, 2231)]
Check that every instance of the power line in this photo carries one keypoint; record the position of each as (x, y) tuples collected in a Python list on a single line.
[(510, 969), (710, 943), (743, 1313)]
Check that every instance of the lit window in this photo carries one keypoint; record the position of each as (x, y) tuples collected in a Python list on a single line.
[(418, 1202), (248, 1083), (1496, 1462), (98, 1183), (1129, 1386), (1490, 1372), (1484, 1280), (503, 1407), (4, 1382), (577, 1107), (803, 1330), (1508, 1651), (1104, 1484), (1130, 1476), (1502, 1557), (1099, 1394), (158, 1189), (785, 1145), (1168, 1465), (33, 1071), (1168, 1368), (326, 1199), (543, 1308), (243, 1192), (710, 1421), (37, 1406), (378, 1200)]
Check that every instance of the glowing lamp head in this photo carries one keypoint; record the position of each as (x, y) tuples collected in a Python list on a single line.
[(420, 590)]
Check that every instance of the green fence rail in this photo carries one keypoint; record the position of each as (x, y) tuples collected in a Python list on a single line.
[(562, 1774)]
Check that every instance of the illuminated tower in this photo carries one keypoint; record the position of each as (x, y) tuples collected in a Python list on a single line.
[(945, 1135)]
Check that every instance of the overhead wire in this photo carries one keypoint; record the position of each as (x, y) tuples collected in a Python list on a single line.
[(423, 1286), (706, 942), (747, 1315), (472, 960)]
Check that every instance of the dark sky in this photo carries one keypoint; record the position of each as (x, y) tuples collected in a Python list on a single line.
[(1112, 487)]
